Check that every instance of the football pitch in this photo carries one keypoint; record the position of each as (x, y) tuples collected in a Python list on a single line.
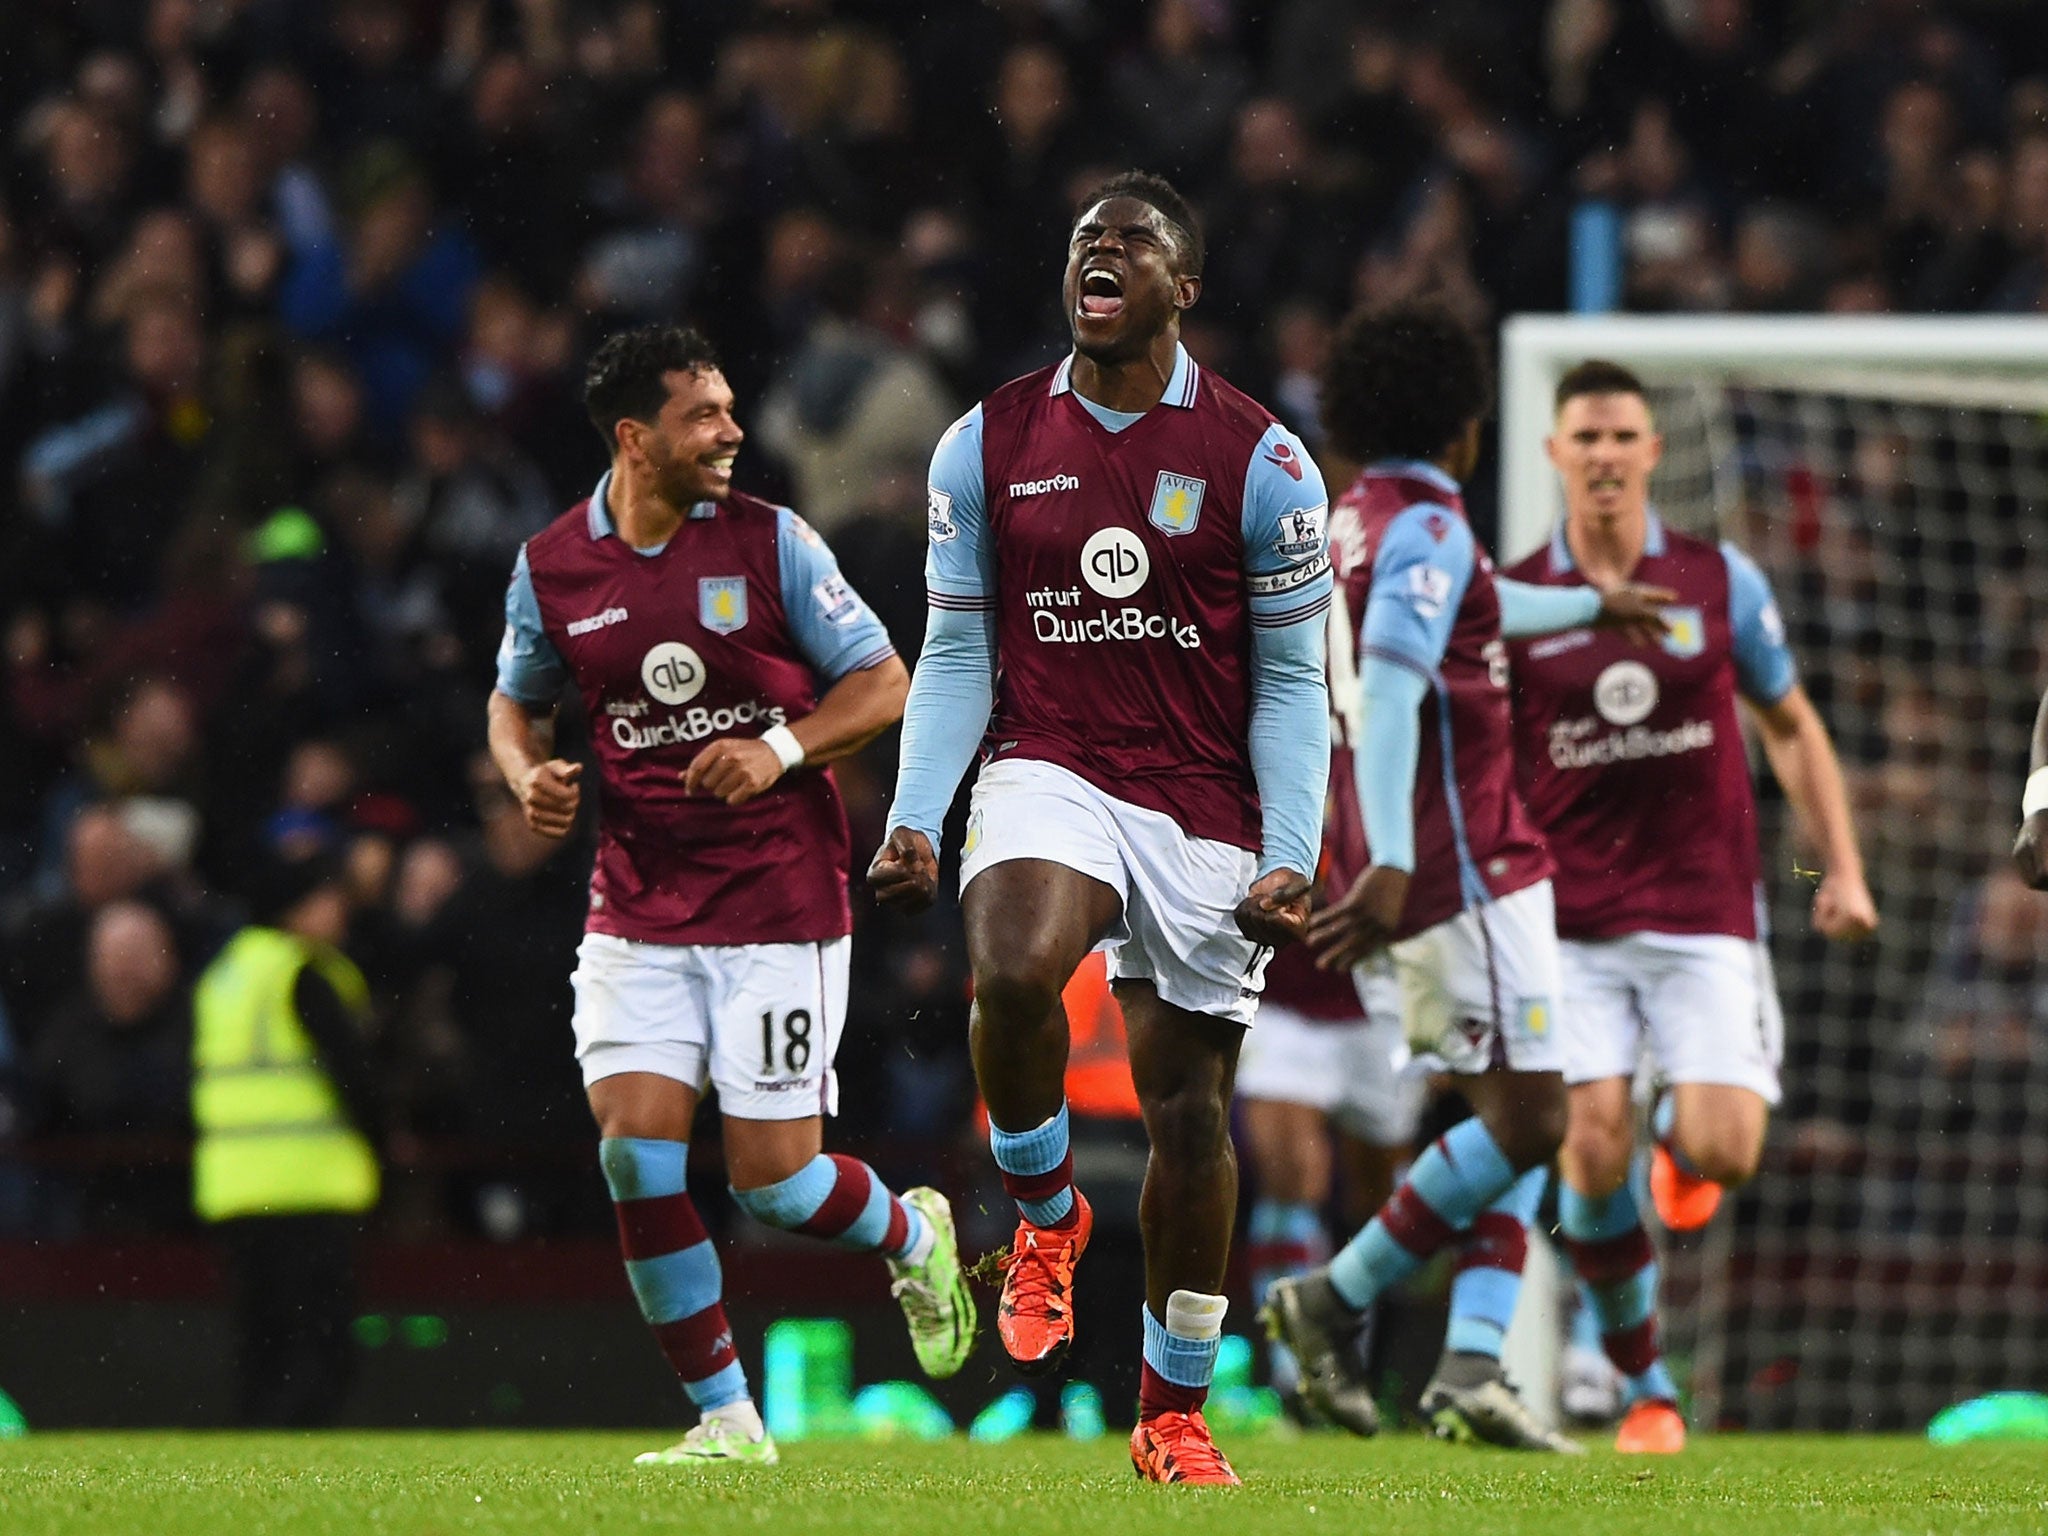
[(160, 1484)]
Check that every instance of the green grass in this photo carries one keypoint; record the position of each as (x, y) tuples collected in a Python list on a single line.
[(444, 1484)]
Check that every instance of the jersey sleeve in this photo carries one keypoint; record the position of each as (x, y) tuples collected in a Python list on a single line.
[(1419, 575), (1764, 668), (959, 562), (837, 632), (1286, 532), (530, 669)]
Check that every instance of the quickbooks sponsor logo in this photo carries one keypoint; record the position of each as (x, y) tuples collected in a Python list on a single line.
[(1042, 487), (672, 672), (1573, 743), (1116, 624), (695, 724)]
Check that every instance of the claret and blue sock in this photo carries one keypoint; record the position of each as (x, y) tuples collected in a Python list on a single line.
[(1488, 1281), (673, 1267), (1284, 1238), (1180, 1353), (1038, 1170), (844, 1201), (1612, 1253), (1463, 1172)]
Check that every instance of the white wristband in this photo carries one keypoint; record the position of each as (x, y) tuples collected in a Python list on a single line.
[(2036, 797), (782, 742)]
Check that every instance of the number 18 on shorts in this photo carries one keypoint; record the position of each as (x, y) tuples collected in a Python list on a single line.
[(758, 1022)]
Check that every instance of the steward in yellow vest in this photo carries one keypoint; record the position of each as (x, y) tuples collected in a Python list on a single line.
[(284, 1105), (274, 1137)]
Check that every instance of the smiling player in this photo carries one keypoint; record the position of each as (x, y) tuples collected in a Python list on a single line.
[(1127, 577), (698, 623)]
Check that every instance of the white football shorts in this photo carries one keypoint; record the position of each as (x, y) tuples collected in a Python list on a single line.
[(1704, 1005), (1357, 1072), (759, 1022), (1178, 892), (1480, 990)]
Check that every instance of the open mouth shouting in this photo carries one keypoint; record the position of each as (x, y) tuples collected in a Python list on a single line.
[(1102, 293)]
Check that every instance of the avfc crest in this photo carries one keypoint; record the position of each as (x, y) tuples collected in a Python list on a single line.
[(1176, 504), (1688, 634), (722, 603)]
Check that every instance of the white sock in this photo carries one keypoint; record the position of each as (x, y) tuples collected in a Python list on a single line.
[(736, 1421), (927, 1240), (1192, 1315)]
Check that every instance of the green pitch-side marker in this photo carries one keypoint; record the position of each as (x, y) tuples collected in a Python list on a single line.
[(13, 1423)]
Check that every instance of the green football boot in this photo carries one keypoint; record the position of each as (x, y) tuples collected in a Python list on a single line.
[(936, 1302)]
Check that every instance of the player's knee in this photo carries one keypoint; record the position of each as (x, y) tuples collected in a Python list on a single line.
[(1187, 1123), (1019, 989), (1726, 1154), (1596, 1152)]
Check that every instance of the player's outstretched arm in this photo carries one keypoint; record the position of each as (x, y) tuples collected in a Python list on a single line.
[(1363, 919), (1802, 757), (1528, 609), (522, 745), (2030, 853), (948, 709), (953, 690)]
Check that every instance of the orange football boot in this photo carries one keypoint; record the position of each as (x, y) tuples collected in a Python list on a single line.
[(1176, 1448), (1685, 1201), (1035, 1316), (1651, 1428)]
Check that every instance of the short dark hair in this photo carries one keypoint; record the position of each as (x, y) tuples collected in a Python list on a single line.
[(1596, 376), (626, 376), (1403, 381), (1160, 193)]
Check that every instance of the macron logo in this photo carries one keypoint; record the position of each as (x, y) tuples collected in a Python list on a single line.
[(1041, 487), (598, 621)]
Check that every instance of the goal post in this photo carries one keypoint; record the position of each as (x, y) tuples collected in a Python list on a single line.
[(1890, 477), (1973, 357)]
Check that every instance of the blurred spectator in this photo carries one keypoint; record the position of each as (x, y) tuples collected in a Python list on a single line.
[(1177, 89), (394, 291), (648, 264), (108, 487), (859, 409), (113, 1061)]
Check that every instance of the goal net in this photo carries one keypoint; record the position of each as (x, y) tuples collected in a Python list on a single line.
[(1891, 479)]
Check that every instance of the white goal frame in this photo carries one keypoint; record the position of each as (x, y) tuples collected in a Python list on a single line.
[(1998, 359)]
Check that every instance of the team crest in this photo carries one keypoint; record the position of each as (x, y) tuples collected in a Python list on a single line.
[(722, 603), (1687, 636), (1533, 1015), (1177, 503)]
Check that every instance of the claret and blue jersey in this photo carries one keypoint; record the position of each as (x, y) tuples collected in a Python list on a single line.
[(828, 623), (1151, 585), (1631, 757), (1417, 601), (727, 629)]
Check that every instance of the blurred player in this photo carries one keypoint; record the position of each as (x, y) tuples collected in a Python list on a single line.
[(1127, 581), (1320, 1084), (698, 624), (1633, 765), (1457, 883), (2030, 852)]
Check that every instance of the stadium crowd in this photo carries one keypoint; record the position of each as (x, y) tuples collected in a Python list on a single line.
[(293, 305)]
